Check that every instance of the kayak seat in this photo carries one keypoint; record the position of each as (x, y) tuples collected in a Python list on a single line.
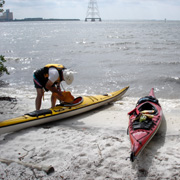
[(148, 106), (147, 98), (148, 123), (39, 112)]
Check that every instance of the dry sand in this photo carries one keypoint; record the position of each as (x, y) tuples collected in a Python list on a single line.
[(91, 146)]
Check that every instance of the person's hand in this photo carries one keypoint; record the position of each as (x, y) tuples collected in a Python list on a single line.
[(58, 88)]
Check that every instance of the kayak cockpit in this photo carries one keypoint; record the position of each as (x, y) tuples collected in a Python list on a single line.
[(142, 116), (76, 101), (149, 108)]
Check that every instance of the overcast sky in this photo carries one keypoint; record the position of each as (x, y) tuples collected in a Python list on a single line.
[(108, 9)]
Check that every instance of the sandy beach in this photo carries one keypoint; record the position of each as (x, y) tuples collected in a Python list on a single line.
[(91, 146)]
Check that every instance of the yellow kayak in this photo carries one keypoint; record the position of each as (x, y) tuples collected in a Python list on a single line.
[(61, 111)]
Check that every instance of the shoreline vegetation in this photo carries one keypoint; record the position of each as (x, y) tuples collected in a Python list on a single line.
[(38, 19)]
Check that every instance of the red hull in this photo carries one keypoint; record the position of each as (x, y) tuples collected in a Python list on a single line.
[(141, 133)]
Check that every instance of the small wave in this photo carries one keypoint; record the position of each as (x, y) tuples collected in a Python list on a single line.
[(25, 68), (120, 37), (172, 79), (9, 51), (12, 58), (26, 60), (22, 60), (111, 46), (81, 42), (121, 43), (159, 48), (157, 62)]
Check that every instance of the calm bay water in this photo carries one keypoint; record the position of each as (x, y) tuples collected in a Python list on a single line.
[(106, 56)]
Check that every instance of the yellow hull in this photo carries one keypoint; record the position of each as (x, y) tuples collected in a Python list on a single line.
[(59, 112)]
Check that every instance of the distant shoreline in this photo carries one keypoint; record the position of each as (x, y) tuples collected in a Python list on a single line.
[(38, 19)]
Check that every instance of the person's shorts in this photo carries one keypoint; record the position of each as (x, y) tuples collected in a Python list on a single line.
[(36, 83)]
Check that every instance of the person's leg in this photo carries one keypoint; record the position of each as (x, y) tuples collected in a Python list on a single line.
[(39, 96)]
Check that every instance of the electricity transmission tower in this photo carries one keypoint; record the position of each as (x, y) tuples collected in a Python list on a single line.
[(92, 12)]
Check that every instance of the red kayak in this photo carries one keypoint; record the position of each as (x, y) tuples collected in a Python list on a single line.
[(144, 121)]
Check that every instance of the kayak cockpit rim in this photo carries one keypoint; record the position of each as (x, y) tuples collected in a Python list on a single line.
[(76, 101)]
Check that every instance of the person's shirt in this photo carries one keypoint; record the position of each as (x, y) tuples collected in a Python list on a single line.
[(53, 74)]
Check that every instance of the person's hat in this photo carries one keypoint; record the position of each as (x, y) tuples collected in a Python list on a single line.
[(68, 76)]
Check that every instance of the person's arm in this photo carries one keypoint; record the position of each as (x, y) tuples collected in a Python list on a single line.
[(55, 90)]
